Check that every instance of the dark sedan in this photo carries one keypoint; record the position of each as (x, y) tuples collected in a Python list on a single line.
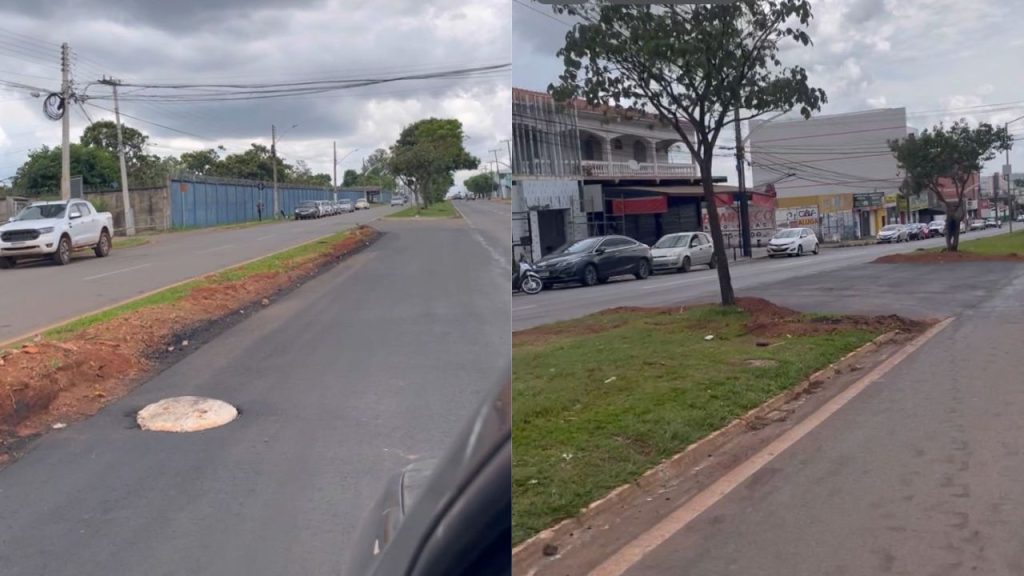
[(307, 211), (595, 260)]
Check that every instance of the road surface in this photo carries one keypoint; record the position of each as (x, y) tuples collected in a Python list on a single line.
[(701, 284), (919, 474), (340, 384), (39, 295)]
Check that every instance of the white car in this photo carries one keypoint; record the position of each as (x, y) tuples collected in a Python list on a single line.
[(682, 250), (362, 204), (54, 230), (793, 242)]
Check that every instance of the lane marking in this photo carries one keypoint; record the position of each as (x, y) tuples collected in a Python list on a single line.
[(217, 249), (267, 236), (524, 307), (631, 553), (117, 272)]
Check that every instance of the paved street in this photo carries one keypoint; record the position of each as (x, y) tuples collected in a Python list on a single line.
[(38, 295), (919, 474), (340, 384), (786, 275)]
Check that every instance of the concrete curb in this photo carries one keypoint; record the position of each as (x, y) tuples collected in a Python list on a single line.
[(19, 339), (676, 466)]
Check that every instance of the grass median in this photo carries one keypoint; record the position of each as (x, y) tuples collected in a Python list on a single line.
[(598, 401), (1001, 247), (436, 210)]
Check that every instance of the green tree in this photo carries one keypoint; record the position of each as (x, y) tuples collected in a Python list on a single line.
[(700, 68), (103, 134), (350, 178), (376, 171), (481, 184), (426, 155), (40, 174), (255, 163), (301, 173), (942, 156), (202, 162)]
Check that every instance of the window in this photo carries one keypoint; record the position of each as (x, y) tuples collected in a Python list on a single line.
[(76, 211), (703, 240), (696, 241), (615, 243), (84, 208), (639, 151)]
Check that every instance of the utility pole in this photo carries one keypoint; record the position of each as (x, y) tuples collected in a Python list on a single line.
[(741, 176), (1009, 190), (497, 173), (65, 140), (273, 159), (335, 164), (129, 216)]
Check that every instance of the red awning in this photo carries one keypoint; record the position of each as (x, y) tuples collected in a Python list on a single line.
[(652, 205)]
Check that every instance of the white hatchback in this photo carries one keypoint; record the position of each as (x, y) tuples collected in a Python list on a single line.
[(793, 242)]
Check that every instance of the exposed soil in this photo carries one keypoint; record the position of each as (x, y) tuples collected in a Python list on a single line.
[(46, 383), (768, 320), (925, 257)]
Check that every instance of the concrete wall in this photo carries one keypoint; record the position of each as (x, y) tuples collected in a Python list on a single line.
[(151, 207), (830, 155)]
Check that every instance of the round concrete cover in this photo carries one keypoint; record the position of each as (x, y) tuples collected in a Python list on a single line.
[(186, 414)]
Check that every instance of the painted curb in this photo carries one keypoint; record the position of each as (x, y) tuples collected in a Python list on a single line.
[(38, 331), (684, 461)]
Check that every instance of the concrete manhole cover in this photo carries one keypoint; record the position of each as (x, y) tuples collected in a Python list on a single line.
[(186, 414)]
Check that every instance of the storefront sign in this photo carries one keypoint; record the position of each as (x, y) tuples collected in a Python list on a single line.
[(867, 200), (762, 221), (802, 217), (651, 205), (890, 200)]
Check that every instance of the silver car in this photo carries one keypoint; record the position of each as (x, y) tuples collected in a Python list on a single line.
[(680, 251)]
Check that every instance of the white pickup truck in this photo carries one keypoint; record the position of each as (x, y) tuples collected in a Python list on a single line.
[(55, 230)]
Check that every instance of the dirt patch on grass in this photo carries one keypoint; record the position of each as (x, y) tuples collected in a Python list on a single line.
[(46, 383), (596, 323), (769, 320), (926, 257)]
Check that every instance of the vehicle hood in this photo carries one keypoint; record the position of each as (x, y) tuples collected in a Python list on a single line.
[(782, 241), (31, 224), (888, 232), (552, 261), (667, 252)]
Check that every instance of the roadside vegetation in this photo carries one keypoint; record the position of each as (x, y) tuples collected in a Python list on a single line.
[(600, 400), (1004, 247), (73, 370), (442, 209)]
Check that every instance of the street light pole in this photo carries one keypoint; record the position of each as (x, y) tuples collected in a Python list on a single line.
[(65, 140), (273, 160), (1009, 175)]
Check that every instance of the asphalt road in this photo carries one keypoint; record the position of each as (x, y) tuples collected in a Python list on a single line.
[(918, 474), (749, 278), (41, 294), (340, 384)]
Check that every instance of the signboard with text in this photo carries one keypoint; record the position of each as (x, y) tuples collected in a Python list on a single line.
[(867, 200), (801, 217)]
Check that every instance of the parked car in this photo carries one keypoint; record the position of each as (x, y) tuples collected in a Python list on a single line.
[(451, 516), (55, 230), (917, 231), (682, 250), (978, 224), (307, 210), (892, 234), (346, 206), (993, 223), (362, 204), (936, 228), (397, 201), (595, 260), (793, 242)]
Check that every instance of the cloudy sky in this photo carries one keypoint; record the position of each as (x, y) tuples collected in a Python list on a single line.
[(940, 59), (249, 41)]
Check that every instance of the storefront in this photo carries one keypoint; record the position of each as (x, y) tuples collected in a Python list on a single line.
[(869, 208)]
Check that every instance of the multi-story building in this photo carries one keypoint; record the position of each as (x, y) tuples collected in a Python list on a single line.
[(835, 171), (580, 170)]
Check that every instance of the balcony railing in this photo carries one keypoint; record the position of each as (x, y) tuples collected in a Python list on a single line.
[(600, 169)]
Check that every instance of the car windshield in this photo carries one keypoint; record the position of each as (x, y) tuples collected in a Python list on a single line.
[(307, 205), (673, 241), (890, 228), (793, 233), (579, 247), (42, 212)]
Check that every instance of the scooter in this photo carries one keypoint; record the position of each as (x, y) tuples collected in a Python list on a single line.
[(527, 280)]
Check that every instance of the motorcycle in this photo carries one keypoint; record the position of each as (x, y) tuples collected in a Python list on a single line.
[(527, 280)]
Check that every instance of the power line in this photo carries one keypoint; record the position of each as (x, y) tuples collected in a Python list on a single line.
[(543, 13), (151, 122)]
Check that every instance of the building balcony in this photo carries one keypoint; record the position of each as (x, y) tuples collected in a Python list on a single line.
[(637, 170)]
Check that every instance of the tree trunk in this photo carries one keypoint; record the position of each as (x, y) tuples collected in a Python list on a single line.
[(721, 259), (953, 236)]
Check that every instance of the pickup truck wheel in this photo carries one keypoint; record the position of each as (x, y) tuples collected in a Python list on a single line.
[(7, 262), (102, 248), (62, 256)]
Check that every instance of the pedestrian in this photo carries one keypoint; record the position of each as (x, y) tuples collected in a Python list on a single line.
[(259, 211)]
